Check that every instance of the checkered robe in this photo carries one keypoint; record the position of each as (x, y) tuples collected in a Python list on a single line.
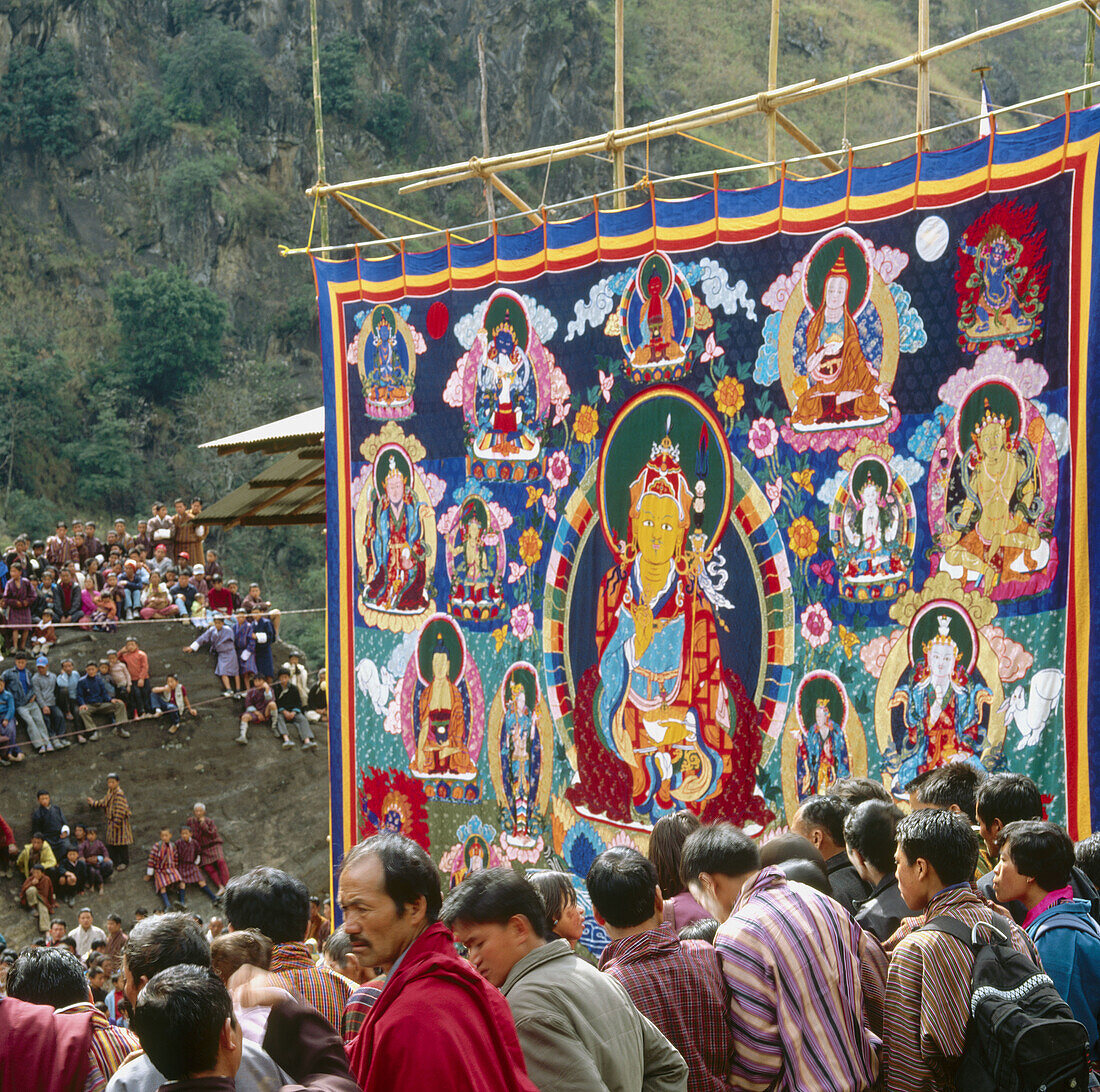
[(162, 862)]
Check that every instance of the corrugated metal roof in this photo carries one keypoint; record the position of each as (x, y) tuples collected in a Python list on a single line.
[(290, 490), (275, 436)]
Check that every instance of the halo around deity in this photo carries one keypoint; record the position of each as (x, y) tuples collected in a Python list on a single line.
[(822, 258)]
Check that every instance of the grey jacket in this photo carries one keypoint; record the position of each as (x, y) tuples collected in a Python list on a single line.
[(45, 689), (580, 1032)]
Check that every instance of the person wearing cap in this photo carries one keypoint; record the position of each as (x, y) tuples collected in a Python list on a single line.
[(160, 562), (18, 597), (93, 697), (119, 834), (44, 684), (198, 580), (9, 749), (18, 680), (137, 663), (43, 636), (219, 639), (183, 593)]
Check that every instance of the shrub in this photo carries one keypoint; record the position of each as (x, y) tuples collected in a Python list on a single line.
[(146, 122), (389, 118), (214, 70), (189, 184), (340, 92), (170, 332), (42, 107), (255, 209)]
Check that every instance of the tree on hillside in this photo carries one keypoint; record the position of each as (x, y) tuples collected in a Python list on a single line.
[(170, 333)]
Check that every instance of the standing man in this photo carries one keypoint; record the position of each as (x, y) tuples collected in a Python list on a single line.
[(48, 818), (277, 904), (185, 532), (219, 639), (93, 697), (119, 835), (116, 941), (821, 820), (390, 897), (676, 984), (137, 663), (806, 983), (578, 1028), (870, 835), (86, 932), (928, 986)]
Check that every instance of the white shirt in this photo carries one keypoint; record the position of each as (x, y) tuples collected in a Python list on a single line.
[(85, 938)]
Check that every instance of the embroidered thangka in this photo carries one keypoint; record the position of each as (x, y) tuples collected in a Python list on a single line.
[(705, 504)]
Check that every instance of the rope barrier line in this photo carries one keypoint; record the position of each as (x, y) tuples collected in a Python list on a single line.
[(90, 626)]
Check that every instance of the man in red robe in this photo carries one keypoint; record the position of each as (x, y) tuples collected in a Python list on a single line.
[(43, 1052), (437, 1022)]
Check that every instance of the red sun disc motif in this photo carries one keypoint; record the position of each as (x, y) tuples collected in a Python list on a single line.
[(437, 320)]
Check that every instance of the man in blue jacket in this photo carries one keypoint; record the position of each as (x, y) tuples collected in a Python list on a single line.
[(9, 749), (18, 680), (93, 697)]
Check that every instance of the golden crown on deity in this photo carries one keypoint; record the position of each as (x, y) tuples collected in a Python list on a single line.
[(662, 476), (504, 324), (991, 418), (822, 703), (943, 636), (517, 689), (393, 470)]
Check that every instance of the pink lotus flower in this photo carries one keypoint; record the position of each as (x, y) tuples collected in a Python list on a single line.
[(763, 436), (816, 625), (558, 469), (774, 490), (523, 622)]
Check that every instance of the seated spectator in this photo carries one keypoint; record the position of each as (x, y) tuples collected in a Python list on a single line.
[(821, 820), (299, 677), (93, 698), (869, 836), (229, 952), (260, 708), (677, 985), (37, 896), (9, 749), (200, 615), (43, 636), (137, 664), (104, 613), (218, 597), (66, 599), (89, 589), (1035, 866), (161, 868), (198, 579), (213, 565), (665, 841), (187, 861), (155, 600), (135, 580), (18, 681), (72, 875), (182, 593), (318, 697), (277, 904), (44, 685), (98, 860), (67, 678), (799, 970), (119, 677), (171, 698), (232, 586), (577, 1028), (37, 851), (9, 848), (288, 701), (54, 977), (254, 599), (564, 916)]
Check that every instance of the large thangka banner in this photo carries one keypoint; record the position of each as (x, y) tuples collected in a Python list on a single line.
[(626, 518)]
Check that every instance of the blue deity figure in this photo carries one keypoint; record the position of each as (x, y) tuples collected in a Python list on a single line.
[(386, 363), (822, 753), (520, 746), (997, 313), (507, 391)]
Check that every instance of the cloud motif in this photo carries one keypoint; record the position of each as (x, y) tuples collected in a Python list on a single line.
[(779, 291), (766, 370), (827, 490), (1059, 428), (911, 332), (717, 292), (399, 658), (603, 298), (541, 320), (923, 441), (889, 263), (997, 362), (909, 469)]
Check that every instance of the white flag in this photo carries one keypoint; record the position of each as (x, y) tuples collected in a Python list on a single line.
[(984, 128)]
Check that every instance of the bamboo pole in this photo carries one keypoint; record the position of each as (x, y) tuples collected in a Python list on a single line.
[(359, 218), (485, 121), (516, 200), (318, 118), (1090, 53), (618, 155), (924, 98), (773, 81), (810, 145), (700, 118)]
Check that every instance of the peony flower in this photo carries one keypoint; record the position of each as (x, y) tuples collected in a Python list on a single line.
[(586, 424), (523, 622), (730, 396), (530, 546), (816, 625), (763, 436), (558, 469), (803, 537)]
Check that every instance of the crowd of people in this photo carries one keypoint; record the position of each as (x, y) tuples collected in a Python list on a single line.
[(841, 954), (77, 582)]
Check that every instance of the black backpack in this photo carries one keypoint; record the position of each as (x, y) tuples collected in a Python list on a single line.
[(1021, 1036)]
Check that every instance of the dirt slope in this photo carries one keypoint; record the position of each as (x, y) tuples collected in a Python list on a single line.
[(270, 805)]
